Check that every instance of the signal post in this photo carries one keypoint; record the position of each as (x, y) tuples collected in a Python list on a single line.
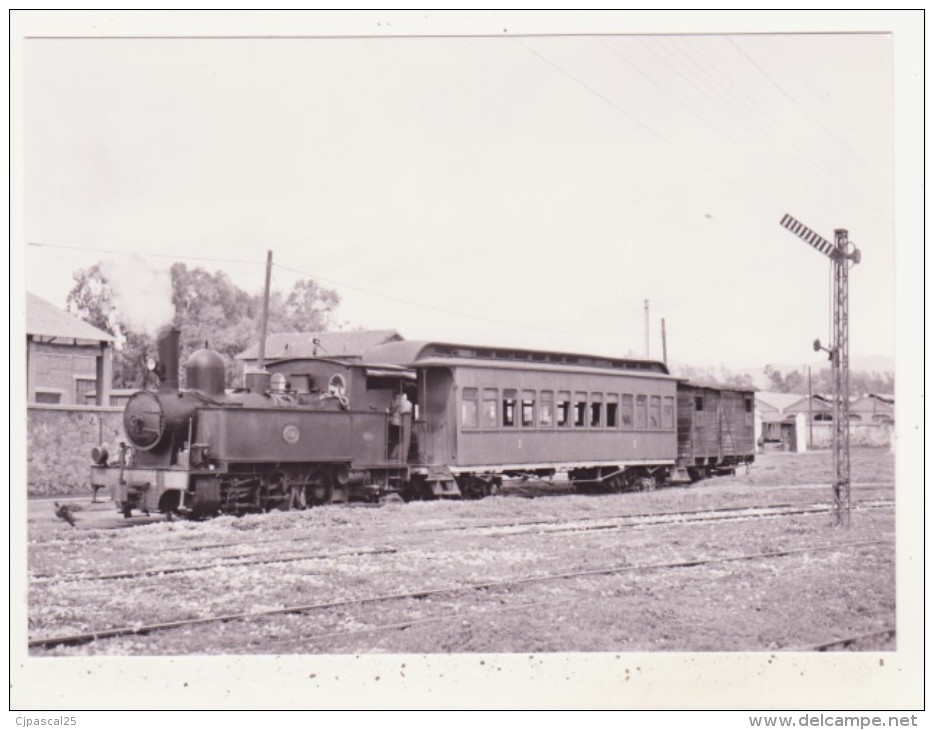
[(843, 254)]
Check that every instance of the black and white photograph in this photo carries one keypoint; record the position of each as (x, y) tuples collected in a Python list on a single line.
[(467, 359)]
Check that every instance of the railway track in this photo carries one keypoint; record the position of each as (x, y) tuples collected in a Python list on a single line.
[(503, 529), (491, 525), (230, 562), (90, 636), (848, 642)]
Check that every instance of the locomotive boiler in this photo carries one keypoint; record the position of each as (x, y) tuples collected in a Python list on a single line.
[(203, 449)]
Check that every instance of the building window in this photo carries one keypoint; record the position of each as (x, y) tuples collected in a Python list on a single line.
[(48, 396), (546, 413), (626, 411), (655, 412), (668, 412), (612, 410), (489, 413), (580, 409), (83, 386), (509, 406), (642, 402), (698, 403), (470, 408), (596, 410), (564, 408), (528, 408)]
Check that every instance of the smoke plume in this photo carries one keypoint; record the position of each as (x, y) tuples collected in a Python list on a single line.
[(142, 294)]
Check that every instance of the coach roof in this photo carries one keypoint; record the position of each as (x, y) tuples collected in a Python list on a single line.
[(411, 353)]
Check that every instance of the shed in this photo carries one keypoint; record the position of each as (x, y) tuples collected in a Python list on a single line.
[(874, 408), (65, 356), (350, 346)]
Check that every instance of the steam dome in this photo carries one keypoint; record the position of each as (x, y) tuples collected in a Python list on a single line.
[(204, 371)]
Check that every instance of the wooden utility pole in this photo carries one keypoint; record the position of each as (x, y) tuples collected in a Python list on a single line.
[(810, 412), (664, 344), (646, 328), (261, 360)]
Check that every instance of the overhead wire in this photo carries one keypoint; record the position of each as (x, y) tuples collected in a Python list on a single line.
[(326, 280), (760, 121), (147, 254), (806, 111), (683, 67), (680, 148), (431, 307)]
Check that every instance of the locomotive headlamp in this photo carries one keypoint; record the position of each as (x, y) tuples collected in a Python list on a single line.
[(150, 364), (99, 455)]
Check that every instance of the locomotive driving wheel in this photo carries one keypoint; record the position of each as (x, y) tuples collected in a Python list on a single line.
[(278, 496), (321, 490), (616, 484)]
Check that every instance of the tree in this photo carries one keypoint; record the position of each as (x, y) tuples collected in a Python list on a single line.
[(793, 382), (209, 309), (92, 299)]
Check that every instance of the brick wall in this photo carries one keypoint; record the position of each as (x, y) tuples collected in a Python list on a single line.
[(59, 440), (56, 369)]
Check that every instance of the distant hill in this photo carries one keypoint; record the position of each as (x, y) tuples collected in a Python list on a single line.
[(858, 364)]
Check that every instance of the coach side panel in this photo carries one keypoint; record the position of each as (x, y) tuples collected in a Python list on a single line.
[(545, 418)]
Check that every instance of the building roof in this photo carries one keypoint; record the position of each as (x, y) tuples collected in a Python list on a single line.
[(778, 401), (818, 401), (320, 344), (44, 319)]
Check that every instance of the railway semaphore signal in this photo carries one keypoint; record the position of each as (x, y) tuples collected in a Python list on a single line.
[(841, 253)]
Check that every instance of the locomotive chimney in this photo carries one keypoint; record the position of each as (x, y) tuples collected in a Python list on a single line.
[(168, 358)]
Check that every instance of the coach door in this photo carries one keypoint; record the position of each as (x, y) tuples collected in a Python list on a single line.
[(436, 423)]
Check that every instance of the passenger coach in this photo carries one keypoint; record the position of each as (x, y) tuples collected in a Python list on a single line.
[(482, 413)]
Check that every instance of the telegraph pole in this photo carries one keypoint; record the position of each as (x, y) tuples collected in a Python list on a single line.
[(664, 344), (843, 254), (646, 329), (810, 412), (261, 360)]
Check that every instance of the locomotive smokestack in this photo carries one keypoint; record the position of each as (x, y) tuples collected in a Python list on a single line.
[(168, 358)]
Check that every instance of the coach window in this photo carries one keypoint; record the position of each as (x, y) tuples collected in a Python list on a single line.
[(546, 411), (655, 412), (668, 412), (612, 410), (528, 408), (470, 408), (580, 409), (564, 407), (596, 410), (509, 406), (749, 410), (489, 412), (642, 402), (626, 411)]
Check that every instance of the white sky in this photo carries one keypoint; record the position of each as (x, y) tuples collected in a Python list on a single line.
[(494, 190)]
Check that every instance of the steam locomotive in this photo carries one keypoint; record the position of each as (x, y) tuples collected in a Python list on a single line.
[(413, 419)]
